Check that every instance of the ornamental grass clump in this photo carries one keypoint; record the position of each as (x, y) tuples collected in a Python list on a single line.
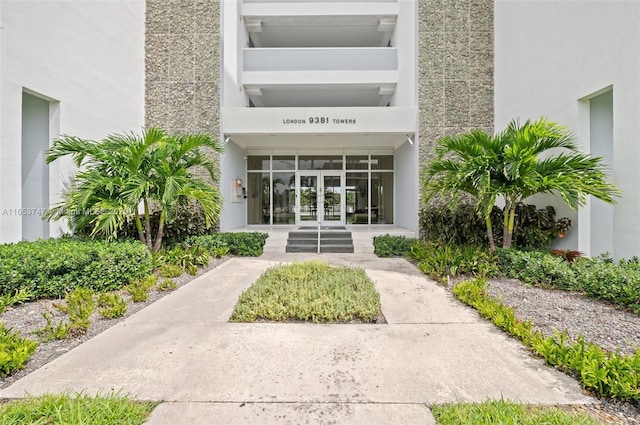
[(310, 291)]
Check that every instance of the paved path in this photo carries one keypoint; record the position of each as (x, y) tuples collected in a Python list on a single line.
[(182, 351)]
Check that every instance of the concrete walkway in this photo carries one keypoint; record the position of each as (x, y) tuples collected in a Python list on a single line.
[(182, 351)]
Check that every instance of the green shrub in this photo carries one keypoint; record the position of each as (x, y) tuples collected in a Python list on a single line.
[(139, 289), (437, 260), (166, 285), (79, 305), (53, 267), (618, 283), (189, 221), (183, 256), (18, 297), (170, 270), (112, 305), (608, 374), (537, 268), (309, 291), (392, 246), (52, 331), (534, 228), (243, 244), (14, 350)]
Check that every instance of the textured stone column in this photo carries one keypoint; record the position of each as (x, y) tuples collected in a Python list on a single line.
[(455, 69), (455, 79), (182, 56)]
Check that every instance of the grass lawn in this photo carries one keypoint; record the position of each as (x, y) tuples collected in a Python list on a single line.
[(507, 413), (79, 409), (309, 291)]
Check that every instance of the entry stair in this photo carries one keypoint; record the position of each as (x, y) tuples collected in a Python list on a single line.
[(332, 239)]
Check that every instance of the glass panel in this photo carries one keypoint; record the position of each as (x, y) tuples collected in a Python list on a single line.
[(357, 193), (381, 198), (360, 162), (332, 198), (258, 162), (325, 162), (258, 208), (284, 162), (284, 198), (308, 198), (382, 162)]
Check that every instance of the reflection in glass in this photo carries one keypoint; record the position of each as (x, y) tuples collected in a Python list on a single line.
[(382, 162), (258, 163), (325, 162), (382, 198), (308, 198), (258, 205), (332, 198), (360, 162), (357, 202), (284, 162), (284, 198)]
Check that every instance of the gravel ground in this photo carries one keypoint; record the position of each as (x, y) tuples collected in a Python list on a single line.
[(601, 323)]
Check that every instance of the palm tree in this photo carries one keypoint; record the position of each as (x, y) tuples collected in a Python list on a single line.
[(530, 168), (515, 164), (464, 163), (123, 172)]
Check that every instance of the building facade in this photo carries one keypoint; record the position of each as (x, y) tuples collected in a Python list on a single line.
[(326, 109), (65, 68), (578, 63)]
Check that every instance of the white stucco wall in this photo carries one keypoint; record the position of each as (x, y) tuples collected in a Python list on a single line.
[(87, 58), (550, 58), (405, 39)]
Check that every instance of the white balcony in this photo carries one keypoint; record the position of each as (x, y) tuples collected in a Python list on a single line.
[(321, 59), (320, 24), (318, 77)]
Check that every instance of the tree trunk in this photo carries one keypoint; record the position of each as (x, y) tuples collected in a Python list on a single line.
[(160, 233), (492, 244), (512, 218), (147, 224), (505, 225), (140, 229)]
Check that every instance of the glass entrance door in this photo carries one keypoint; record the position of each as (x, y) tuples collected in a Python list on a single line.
[(320, 197), (308, 198)]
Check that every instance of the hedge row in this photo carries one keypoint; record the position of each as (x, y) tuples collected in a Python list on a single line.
[(53, 267), (243, 244), (599, 277)]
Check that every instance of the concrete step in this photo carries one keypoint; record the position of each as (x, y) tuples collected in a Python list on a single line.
[(313, 242), (335, 241), (331, 240), (301, 248), (347, 249)]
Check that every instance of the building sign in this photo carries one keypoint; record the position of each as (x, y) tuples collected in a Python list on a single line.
[(319, 120), (401, 120)]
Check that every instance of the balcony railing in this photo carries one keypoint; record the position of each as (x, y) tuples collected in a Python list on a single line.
[(321, 59)]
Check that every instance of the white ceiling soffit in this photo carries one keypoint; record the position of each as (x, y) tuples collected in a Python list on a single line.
[(321, 95), (325, 31), (319, 141)]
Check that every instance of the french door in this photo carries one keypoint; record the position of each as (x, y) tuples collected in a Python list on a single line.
[(320, 197)]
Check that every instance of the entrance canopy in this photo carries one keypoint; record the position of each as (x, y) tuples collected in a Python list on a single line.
[(319, 127)]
